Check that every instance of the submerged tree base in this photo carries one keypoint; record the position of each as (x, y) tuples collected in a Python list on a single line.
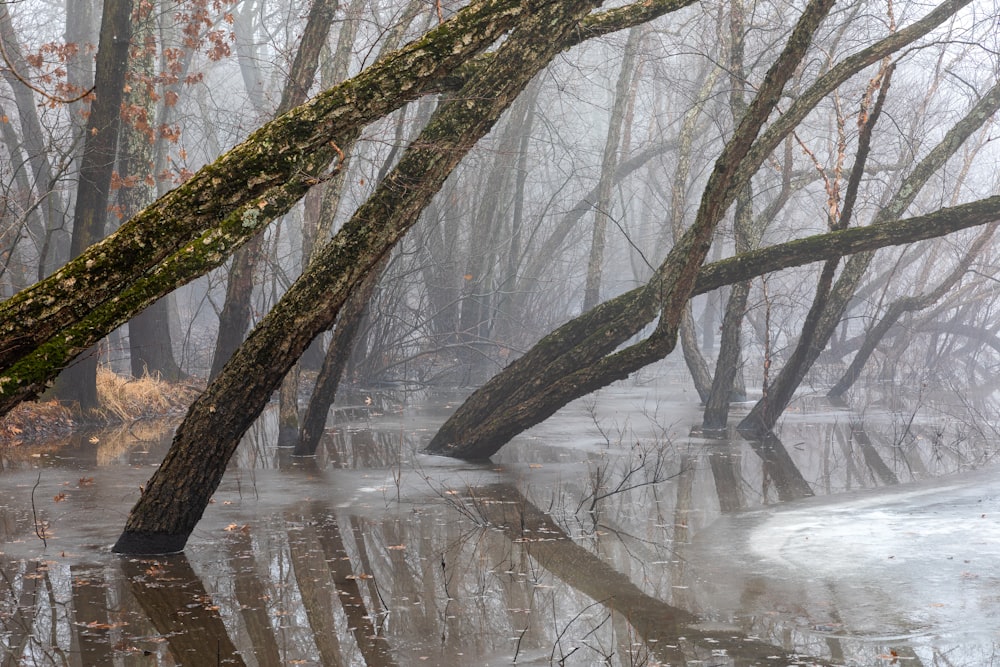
[(149, 544)]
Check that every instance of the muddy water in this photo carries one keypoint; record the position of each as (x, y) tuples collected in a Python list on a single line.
[(612, 534)]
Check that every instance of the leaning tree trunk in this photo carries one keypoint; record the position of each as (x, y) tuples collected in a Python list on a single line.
[(829, 302), (348, 322), (580, 356), (195, 227), (907, 305), (178, 493), (727, 364), (828, 310)]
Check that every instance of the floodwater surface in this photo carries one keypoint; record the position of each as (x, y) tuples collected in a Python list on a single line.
[(614, 533)]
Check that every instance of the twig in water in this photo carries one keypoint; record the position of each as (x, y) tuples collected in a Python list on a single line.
[(34, 513)]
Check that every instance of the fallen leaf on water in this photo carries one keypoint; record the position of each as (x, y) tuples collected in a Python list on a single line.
[(59, 497)]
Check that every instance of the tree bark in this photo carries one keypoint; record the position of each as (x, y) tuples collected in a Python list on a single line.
[(176, 496)]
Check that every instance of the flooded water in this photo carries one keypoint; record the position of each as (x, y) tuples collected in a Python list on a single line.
[(613, 534)]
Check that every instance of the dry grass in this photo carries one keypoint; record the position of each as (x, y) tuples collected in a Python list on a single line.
[(122, 400), (126, 399)]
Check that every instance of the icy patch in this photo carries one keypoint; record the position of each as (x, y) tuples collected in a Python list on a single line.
[(909, 561)]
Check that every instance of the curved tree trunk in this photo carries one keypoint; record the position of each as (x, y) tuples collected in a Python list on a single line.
[(580, 357), (304, 435), (178, 493), (907, 305), (828, 308)]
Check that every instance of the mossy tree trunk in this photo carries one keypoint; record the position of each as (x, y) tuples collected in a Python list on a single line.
[(178, 493), (195, 227)]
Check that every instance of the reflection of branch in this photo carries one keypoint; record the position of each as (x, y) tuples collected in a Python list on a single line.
[(552, 655), (34, 515), (659, 624)]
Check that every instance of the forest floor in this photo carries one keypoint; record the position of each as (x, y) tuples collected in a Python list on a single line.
[(122, 400)]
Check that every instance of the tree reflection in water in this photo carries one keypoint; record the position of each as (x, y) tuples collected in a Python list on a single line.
[(372, 554)]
